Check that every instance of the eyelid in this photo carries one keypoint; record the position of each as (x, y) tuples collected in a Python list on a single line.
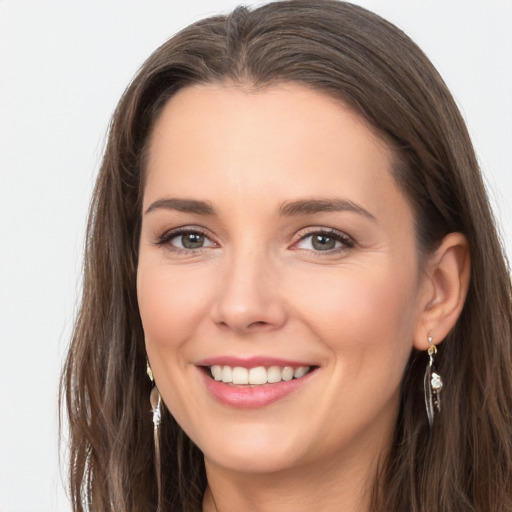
[(346, 240), (169, 234)]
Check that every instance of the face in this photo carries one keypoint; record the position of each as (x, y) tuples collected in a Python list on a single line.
[(278, 278)]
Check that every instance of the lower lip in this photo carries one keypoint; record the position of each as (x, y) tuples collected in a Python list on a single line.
[(252, 397)]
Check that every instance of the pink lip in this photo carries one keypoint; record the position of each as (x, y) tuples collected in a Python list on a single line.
[(250, 362), (252, 397)]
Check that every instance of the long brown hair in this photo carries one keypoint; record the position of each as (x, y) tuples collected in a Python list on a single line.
[(465, 462)]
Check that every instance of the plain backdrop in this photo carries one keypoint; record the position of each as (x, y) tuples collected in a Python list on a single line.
[(63, 66)]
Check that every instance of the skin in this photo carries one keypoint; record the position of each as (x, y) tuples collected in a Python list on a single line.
[(258, 287)]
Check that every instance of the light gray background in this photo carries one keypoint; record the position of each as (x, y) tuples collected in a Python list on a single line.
[(63, 66)]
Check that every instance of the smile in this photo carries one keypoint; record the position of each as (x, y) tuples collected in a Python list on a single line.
[(258, 375), (256, 383)]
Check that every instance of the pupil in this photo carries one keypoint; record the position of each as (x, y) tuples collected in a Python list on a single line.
[(192, 240), (323, 243)]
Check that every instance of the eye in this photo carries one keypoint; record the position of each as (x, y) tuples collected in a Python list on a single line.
[(188, 240), (325, 241), (185, 239)]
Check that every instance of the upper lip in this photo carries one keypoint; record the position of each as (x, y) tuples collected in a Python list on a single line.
[(251, 362)]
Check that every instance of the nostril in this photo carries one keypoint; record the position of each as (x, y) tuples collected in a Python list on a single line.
[(256, 324)]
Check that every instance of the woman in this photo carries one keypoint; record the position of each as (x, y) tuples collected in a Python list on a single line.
[(291, 250)]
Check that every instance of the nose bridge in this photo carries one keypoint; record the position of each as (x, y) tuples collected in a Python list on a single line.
[(248, 298)]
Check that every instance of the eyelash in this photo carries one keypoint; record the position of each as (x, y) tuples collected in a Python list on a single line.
[(345, 240), (165, 239)]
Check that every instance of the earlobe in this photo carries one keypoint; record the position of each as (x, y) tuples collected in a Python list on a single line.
[(448, 272)]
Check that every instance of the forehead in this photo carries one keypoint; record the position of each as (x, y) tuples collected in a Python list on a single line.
[(198, 109), (272, 143)]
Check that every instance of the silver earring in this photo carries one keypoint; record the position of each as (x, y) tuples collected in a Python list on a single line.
[(432, 384), (156, 406)]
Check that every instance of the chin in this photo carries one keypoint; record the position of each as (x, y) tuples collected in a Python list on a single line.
[(256, 454), (252, 463)]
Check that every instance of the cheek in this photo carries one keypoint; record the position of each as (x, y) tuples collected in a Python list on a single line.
[(171, 304), (363, 312)]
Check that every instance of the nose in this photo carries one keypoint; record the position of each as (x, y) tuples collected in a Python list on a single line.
[(248, 298)]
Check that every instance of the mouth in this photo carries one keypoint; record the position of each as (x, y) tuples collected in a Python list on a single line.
[(256, 376), (256, 384)]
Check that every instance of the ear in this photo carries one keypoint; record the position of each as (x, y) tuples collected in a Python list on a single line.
[(444, 290)]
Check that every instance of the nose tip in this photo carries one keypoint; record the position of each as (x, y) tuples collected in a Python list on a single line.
[(248, 301)]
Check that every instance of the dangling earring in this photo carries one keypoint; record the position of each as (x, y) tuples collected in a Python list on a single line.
[(156, 406), (432, 383)]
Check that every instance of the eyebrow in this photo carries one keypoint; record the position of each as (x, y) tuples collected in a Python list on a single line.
[(294, 208), (309, 206), (183, 205)]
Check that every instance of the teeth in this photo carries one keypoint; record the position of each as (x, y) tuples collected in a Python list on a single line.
[(258, 375), (274, 374), (240, 375), (227, 374), (287, 373), (300, 372), (216, 372)]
